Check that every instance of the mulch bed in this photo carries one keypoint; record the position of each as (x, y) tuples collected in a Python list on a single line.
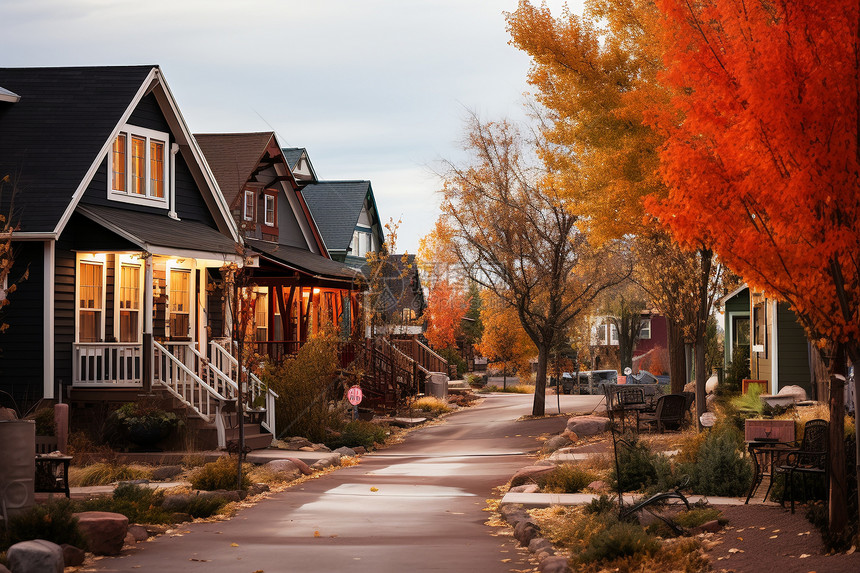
[(765, 538)]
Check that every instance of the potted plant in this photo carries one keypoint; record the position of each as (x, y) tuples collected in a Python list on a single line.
[(145, 425)]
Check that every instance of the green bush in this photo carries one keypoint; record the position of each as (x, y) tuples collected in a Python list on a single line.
[(104, 473), (44, 418), (358, 433), (640, 468), (620, 539), (565, 478), (220, 474), (453, 357), (200, 506), (697, 516), (138, 503), (305, 383), (52, 521), (720, 467), (600, 505), (738, 370)]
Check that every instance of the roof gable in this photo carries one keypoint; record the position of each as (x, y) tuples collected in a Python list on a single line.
[(336, 206), (233, 157), (300, 164)]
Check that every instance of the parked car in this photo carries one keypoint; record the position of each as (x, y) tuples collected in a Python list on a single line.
[(589, 382)]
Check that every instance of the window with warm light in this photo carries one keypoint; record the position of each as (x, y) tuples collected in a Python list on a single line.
[(261, 317), (129, 303), (90, 301), (180, 303), (138, 167)]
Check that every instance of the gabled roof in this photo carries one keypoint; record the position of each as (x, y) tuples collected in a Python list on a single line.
[(50, 138), (336, 206), (54, 139), (300, 164), (305, 261), (293, 154), (233, 157), (731, 295)]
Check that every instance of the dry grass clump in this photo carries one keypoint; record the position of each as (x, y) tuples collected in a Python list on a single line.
[(104, 473), (431, 405)]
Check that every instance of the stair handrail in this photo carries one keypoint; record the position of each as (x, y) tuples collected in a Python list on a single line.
[(255, 385), (231, 389), (434, 354), (197, 396)]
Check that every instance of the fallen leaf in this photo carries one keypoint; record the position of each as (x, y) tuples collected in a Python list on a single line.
[(374, 489), (804, 556), (762, 528), (774, 536), (259, 571), (735, 550), (852, 550), (776, 530), (234, 545), (739, 538), (506, 560), (316, 534), (199, 560)]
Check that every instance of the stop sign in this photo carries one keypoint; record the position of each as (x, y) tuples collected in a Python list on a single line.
[(354, 395)]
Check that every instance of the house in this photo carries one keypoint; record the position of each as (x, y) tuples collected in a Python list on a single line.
[(649, 352), (736, 322), (123, 231), (298, 288), (401, 296)]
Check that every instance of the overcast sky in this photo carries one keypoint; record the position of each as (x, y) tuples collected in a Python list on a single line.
[(374, 89)]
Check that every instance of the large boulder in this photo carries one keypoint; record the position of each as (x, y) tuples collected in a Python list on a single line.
[(104, 531), (303, 467), (72, 556), (35, 556), (286, 470), (587, 425), (344, 451), (798, 393), (529, 474), (163, 473), (711, 384), (554, 564), (555, 443)]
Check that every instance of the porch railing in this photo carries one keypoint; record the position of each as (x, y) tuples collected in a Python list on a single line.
[(429, 360), (190, 389), (221, 352), (113, 365)]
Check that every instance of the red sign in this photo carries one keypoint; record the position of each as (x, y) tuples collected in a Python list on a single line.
[(354, 395)]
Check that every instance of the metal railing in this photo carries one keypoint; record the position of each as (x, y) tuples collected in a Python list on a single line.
[(114, 365)]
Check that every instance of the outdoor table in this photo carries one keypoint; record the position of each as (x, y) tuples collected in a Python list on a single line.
[(766, 453), (635, 409), (52, 474)]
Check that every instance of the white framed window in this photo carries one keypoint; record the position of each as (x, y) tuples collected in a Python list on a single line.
[(248, 206), (138, 168), (361, 243), (645, 329), (180, 303), (270, 206), (613, 335), (90, 300), (128, 325)]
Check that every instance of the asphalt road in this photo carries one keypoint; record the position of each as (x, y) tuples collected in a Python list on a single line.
[(416, 506)]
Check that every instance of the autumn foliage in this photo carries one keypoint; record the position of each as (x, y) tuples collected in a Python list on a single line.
[(504, 342), (446, 307)]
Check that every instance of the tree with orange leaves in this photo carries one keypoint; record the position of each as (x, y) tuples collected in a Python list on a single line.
[(504, 342), (446, 307), (762, 162)]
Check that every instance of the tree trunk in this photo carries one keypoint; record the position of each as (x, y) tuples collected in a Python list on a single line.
[(854, 356), (838, 502), (701, 396), (677, 361), (539, 407)]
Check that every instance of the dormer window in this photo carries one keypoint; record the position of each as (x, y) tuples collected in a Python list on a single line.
[(248, 209), (137, 166)]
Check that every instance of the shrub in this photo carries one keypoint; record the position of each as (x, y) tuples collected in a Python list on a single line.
[(720, 467), (600, 505), (565, 478), (304, 383), (737, 371), (697, 516), (203, 506), (431, 405), (358, 433), (45, 425), (104, 473), (620, 539), (640, 468), (139, 504), (453, 357), (52, 521), (220, 474)]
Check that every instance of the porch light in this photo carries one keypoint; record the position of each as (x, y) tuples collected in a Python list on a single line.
[(316, 291)]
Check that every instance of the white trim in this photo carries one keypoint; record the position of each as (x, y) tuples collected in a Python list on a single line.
[(774, 358), (248, 194), (643, 329), (132, 132), (169, 267), (117, 287), (99, 259), (100, 156), (269, 197), (732, 294), (48, 321), (174, 149)]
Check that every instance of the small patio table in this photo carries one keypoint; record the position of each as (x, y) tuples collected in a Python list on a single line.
[(52, 474), (766, 453)]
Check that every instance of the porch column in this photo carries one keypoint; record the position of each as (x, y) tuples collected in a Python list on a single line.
[(147, 323)]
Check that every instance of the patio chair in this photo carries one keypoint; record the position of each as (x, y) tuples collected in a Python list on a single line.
[(670, 413), (622, 400), (809, 458)]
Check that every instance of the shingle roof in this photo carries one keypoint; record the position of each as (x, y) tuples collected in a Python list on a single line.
[(151, 230), (293, 154), (335, 206), (305, 261), (232, 157), (50, 138)]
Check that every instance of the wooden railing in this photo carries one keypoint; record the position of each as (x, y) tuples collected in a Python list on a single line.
[(422, 354), (114, 365)]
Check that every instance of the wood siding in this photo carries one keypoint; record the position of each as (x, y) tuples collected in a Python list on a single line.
[(793, 350), (21, 361), (64, 309)]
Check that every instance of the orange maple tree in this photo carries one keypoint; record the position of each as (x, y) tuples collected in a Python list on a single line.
[(762, 162), (504, 342), (446, 307)]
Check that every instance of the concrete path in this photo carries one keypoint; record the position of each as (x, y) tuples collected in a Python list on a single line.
[(417, 506)]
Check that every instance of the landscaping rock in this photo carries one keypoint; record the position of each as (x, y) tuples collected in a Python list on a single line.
[(709, 527), (525, 531), (294, 443), (175, 501), (35, 556), (286, 469), (228, 494), (3, 569), (104, 531), (525, 488), (599, 486), (359, 450), (512, 513), (548, 463), (258, 488), (588, 425), (711, 384), (555, 443), (303, 467), (570, 436), (539, 544), (344, 451), (164, 473), (797, 392), (180, 517), (529, 473), (7, 414), (554, 564), (130, 539), (72, 556), (140, 533), (711, 403), (154, 529)]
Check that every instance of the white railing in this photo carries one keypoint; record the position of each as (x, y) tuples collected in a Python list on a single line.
[(223, 359), (189, 388), (113, 365)]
